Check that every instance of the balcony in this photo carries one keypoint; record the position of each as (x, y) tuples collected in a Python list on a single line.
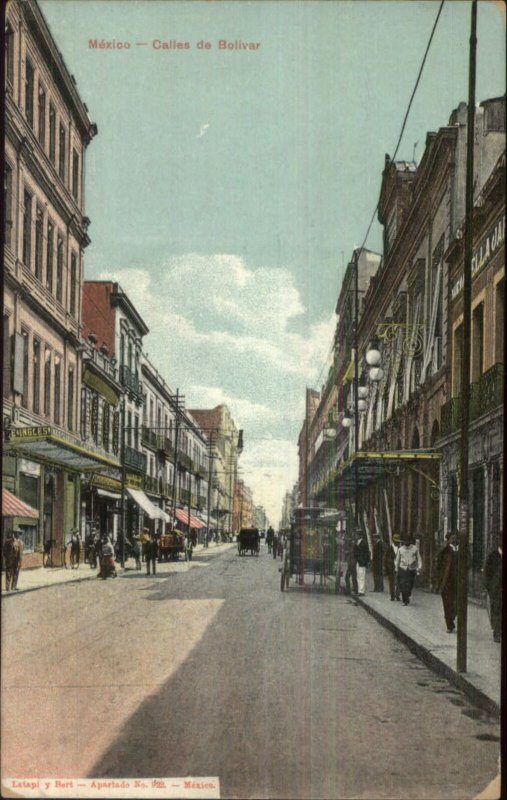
[(149, 437), (184, 496), (132, 383), (485, 395), (167, 447), (151, 484), (200, 472), (135, 460), (184, 461)]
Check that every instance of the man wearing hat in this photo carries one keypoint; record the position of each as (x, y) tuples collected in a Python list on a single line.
[(12, 553), (75, 548), (389, 559)]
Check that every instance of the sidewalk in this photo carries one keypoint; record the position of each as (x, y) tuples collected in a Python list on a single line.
[(422, 628), (42, 578)]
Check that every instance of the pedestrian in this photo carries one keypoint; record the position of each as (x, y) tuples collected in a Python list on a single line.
[(145, 538), (13, 556), (362, 555), (376, 564), (269, 538), (274, 544), (136, 551), (389, 570), (447, 579), (190, 547), (107, 565), (350, 559), (408, 564), (493, 584), (151, 550), (75, 548)]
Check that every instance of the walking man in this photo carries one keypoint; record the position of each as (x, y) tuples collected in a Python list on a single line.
[(350, 558), (493, 584), (408, 564), (151, 554), (13, 554), (362, 556), (447, 579)]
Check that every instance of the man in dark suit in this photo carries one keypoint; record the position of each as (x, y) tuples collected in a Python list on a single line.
[(493, 584), (447, 578), (362, 555), (151, 550), (376, 564)]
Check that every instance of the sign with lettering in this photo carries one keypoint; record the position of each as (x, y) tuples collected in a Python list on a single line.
[(94, 417), (32, 433), (483, 253), (135, 481), (103, 482), (116, 432)]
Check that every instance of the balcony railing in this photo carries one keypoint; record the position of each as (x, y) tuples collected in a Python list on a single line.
[(184, 495), (134, 459), (201, 472), (168, 447), (485, 395), (131, 382), (185, 461), (151, 484), (149, 437)]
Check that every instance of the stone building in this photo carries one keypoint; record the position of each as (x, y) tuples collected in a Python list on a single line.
[(47, 129)]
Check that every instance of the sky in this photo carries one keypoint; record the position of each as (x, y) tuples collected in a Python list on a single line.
[(227, 188)]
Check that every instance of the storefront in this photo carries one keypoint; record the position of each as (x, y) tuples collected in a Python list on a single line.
[(45, 467)]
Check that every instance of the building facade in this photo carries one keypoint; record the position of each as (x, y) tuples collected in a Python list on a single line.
[(47, 130)]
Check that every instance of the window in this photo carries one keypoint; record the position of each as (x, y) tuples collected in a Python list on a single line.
[(84, 412), (136, 432), (129, 428), (73, 284), (7, 359), (36, 351), (58, 391), (499, 321), (49, 256), (122, 349), (27, 227), (47, 382), (62, 152), (9, 54), (29, 89), (39, 224), (70, 399), (24, 396), (456, 360), (59, 269), (42, 116), (8, 203), (75, 173), (477, 342), (52, 133)]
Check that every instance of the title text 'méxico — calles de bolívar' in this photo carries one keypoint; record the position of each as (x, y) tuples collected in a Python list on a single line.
[(173, 44)]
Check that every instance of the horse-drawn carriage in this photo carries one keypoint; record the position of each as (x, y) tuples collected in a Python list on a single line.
[(312, 547), (171, 545), (248, 541)]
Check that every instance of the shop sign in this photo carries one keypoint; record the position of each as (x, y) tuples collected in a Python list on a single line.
[(33, 433), (94, 417), (116, 431), (103, 482), (483, 253), (135, 481), (101, 386)]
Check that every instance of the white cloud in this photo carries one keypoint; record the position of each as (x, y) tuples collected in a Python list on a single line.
[(222, 332)]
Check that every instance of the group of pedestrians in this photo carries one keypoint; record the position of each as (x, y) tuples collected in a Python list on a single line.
[(400, 562)]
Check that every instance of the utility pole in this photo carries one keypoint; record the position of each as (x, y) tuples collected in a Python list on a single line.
[(123, 480), (178, 399), (356, 381), (462, 592)]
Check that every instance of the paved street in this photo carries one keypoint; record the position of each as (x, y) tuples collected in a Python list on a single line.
[(208, 669)]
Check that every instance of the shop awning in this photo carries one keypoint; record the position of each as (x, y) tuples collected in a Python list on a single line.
[(106, 493), (149, 508), (49, 445), (12, 506), (364, 467), (182, 516)]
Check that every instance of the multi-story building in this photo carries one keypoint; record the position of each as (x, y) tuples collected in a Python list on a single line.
[(404, 328), (312, 399), (176, 452), (259, 518), (47, 132), (485, 443), (225, 446), (242, 506), (112, 319)]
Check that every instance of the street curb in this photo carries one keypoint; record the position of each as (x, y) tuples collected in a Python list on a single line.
[(476, 695)]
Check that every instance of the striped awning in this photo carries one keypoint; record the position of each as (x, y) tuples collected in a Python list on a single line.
[(12, 506), (183, 517)]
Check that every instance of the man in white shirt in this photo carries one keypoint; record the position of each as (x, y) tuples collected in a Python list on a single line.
[(407, 565)]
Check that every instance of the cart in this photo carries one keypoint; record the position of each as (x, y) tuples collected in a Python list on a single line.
[(312, 548), (170, 546), (248, 541)]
